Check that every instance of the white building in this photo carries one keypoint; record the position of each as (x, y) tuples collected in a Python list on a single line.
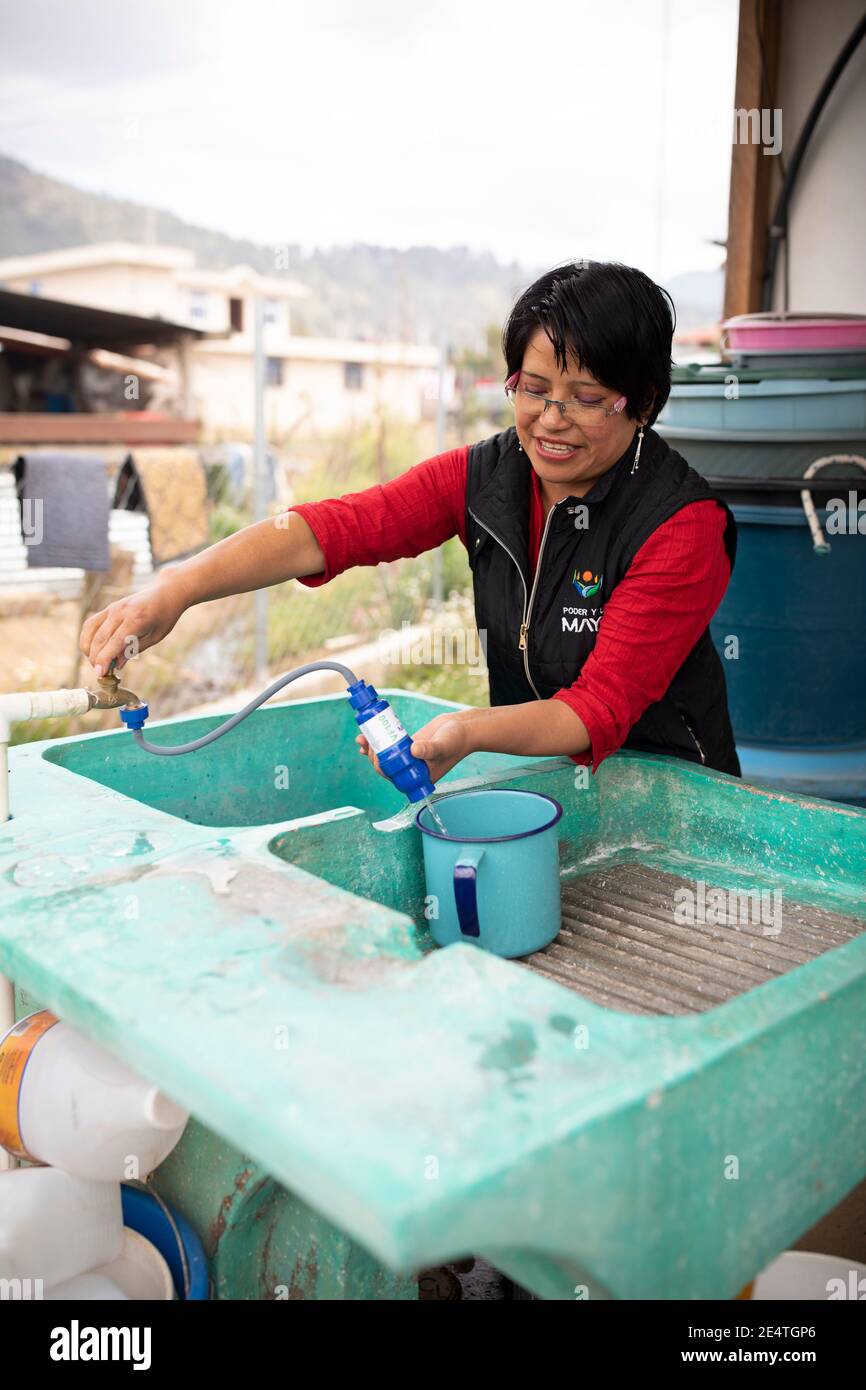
[(313, 384)]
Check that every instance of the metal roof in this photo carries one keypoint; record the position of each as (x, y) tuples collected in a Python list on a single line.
[(87, 326)]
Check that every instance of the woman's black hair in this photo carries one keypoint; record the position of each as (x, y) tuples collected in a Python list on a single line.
[(612, 318)]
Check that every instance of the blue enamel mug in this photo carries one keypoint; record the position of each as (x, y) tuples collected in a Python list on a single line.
[(493, 878)]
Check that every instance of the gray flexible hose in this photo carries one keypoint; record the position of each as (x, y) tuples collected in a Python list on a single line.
[(349, 677)]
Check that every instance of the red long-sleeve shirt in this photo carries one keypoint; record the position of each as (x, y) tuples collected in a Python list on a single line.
[(652, 620)]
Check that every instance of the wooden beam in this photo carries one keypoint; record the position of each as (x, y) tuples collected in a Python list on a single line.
[(20, 428), (751, 169)]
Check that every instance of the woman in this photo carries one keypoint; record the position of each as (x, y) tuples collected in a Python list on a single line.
[(598, 555)]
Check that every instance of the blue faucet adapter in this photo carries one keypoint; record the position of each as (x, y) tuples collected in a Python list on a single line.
[(134, 718)]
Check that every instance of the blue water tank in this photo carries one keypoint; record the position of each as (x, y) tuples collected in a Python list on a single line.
[(796, 673)]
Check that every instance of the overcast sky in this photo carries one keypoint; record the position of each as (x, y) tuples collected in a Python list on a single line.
[(539, 130)]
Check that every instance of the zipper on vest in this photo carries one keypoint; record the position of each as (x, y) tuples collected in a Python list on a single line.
[(695, 740), (524, 629), (523, 626), (527, 598)]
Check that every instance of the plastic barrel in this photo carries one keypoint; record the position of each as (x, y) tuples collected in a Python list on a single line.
[(153, 1220), (796, 687)]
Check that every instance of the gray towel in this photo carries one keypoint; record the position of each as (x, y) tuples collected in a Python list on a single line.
[(65, 512)]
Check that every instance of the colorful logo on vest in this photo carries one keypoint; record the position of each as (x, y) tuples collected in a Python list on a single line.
[(586, 583)]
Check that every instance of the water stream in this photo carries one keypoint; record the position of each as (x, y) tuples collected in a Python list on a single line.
[(437, 819)]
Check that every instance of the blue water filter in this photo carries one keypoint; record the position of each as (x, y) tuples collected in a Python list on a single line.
[(390, 742)]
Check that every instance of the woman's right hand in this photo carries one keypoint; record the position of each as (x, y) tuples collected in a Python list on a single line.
[(131, 625)]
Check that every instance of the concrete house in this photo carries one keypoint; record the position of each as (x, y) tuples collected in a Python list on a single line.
[(313, 384)]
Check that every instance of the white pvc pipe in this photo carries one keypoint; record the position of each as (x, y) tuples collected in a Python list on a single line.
[(38, 704)]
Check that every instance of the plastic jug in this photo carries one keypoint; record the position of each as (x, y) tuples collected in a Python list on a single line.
[(139, 1272), (67, 1102), (493, 879), (87, 1286), (54, 1226)]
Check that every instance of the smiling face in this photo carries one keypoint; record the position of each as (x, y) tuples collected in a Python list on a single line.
[(567, 457)]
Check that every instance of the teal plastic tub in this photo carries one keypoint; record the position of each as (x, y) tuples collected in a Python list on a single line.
[(768, 405), (762, 454)]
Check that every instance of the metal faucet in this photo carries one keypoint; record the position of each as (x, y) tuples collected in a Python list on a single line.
[(110, 694)]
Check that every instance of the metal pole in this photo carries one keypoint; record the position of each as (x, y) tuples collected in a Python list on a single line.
[(438, 594), (259, 473)]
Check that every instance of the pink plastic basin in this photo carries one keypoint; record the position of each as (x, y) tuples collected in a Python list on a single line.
[(805, 333)]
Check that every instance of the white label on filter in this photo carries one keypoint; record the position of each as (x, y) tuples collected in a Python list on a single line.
[(383, 730)]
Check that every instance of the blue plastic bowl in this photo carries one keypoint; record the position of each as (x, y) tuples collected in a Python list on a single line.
[(143, 1213)]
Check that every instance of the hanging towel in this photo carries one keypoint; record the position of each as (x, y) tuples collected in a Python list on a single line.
[(65, 511), (174, 488)]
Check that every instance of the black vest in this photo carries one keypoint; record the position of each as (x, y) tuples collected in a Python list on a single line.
[(586, 549)]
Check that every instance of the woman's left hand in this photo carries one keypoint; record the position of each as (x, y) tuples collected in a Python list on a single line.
[(441, 744)]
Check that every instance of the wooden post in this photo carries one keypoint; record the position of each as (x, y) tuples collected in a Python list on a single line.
[(185, 374), (751, 169)]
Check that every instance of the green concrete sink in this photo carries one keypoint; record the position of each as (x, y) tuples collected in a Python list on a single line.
[(636, 1112)]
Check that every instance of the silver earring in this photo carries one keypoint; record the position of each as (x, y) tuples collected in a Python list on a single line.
[(519, 447), (634, 466)]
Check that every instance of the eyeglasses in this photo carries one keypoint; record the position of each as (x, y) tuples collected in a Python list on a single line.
[(577, 411)]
